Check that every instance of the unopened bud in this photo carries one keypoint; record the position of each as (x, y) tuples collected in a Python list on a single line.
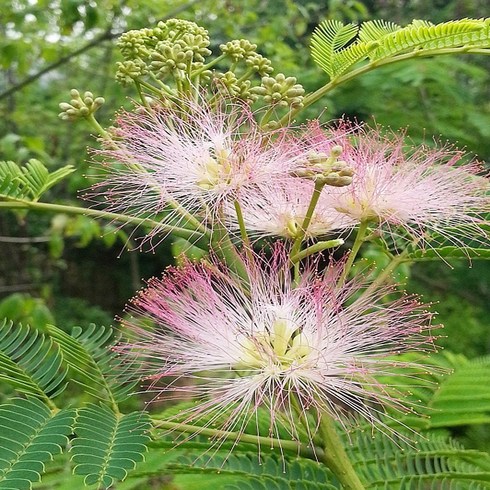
[(326, 168), (79, 107)]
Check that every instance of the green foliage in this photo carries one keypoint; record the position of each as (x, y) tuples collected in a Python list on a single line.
[(30, 435), (108, 445), (30, 362), (453, 392), (25, 309), (403, 460), (462, 398), (98, 368), (29, 181), (427, 97), (429, 462), (449, 252), (336, 47)]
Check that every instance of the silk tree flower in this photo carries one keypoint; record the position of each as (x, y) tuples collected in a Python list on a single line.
[(279, 209), (421, 190), (194, 158), (316, 347)]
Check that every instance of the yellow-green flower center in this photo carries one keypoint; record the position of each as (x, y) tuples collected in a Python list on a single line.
[(214, 169), (281, 346)]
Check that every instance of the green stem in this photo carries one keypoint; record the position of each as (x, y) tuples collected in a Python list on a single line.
[(209, 65), (317, 247), (97, 127), (189, 218), (225, 250), (291, 446), (188, 234), (308, 217), (336, 458), (141, 94), (266, 116), (380, 279), (243, 231), (361, 233)]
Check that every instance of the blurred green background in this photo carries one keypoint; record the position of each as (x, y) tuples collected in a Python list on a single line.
[(73, 270)]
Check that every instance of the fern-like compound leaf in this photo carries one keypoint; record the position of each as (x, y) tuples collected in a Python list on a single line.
[(12, 184), (30, 435), (31, 362), (99, 370), (462, 397), (336, 48), (330, 37), (432, 461), (29, 181), (108, 445), (426, 36)]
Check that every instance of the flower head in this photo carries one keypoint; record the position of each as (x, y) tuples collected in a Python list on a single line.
[(315, 347), (169, 161), (280, 208), (419, 190)]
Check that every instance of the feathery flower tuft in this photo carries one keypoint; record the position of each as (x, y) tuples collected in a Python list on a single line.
[(421, 190), (169, 162), (279, 209), (294, 351)]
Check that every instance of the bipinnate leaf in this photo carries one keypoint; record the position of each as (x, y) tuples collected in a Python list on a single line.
[(336, 48), (398, 461), (30, 435), (108, 445), (453, 392), (31, 362), (416, 463), (462, 397), (29, 181), (100, 371)]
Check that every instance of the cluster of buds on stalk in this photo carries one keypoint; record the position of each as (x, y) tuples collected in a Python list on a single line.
[(327, 169), (281, 90), (80, 107)]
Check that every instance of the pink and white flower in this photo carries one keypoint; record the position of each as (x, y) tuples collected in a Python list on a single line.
[(421, 190), (279, 209), (190, 160), (315, 347)]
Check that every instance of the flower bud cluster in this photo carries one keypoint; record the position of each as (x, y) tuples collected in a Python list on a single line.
[(327, 169), (230, 86), (80, 107), (281, 90), (170, 48), (238, 49)]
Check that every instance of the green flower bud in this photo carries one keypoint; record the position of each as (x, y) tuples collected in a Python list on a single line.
[(327, 168), (130, 70), (238, 49), (260, 64), (280, 90), (79, 107)]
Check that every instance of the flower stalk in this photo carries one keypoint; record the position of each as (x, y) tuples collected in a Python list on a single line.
[(335, 457)]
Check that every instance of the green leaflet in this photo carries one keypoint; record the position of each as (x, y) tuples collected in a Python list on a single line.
[(389, 463), (463, 397), (453, 392), (336, 48), (30, 181), (108, 446), (31, 362), (450, 252), (101, 373), (431, 461), (30, 434)]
